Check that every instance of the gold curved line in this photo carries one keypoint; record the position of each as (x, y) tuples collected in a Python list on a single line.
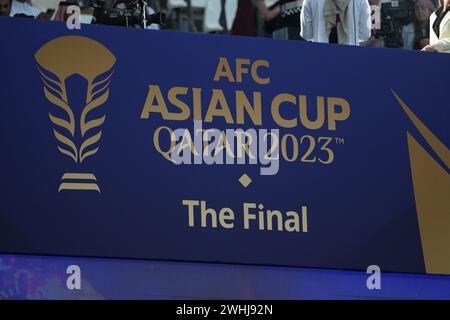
[(111, 72), (88, 154), (67, 142), (40, 69), (45, 78), (92, 124), (59, 83), (91, 106), (47, 85), (441, 150), (68, 153), (61, 122), (101, 89), (63, 105), (108, 78), (90, 142), (92, 86)]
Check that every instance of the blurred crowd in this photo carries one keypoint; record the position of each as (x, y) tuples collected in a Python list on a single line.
[(377, 23)]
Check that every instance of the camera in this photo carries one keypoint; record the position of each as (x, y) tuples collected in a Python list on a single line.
[(394, 15)]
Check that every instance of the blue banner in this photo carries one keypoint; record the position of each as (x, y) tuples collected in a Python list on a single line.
[(162, 145)]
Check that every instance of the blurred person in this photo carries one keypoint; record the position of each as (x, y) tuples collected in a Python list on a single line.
[(215, 20), (281, 15), (312, 21), (22, 7), (440, 29), (245, 21), (375, 40), (350, 19), (416, 34), (269, 10), (5, 7), (336, 21)]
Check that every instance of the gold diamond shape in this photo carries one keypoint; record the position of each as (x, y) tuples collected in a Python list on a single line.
[(245, 180)]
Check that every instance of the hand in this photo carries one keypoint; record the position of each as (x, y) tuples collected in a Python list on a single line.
[(428, 48)]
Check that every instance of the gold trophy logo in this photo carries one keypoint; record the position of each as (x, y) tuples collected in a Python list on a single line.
[(57, 60), (431, 183)]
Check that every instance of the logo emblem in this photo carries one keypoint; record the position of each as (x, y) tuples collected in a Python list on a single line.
[(77, 132)]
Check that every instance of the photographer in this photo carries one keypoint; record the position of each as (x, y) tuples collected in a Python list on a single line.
[(440, 29), (416, 34)]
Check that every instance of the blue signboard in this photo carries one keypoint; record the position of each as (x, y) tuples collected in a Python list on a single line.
[(170, 146)]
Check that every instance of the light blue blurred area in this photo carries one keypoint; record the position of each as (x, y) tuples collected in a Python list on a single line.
[(44, 277)]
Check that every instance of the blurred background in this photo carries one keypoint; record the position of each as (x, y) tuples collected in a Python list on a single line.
[(395, 23)]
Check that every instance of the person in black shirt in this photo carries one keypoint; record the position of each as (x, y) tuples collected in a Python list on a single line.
[(282, 14)]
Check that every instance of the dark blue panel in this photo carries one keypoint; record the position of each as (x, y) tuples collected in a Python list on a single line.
[(361, 208)]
